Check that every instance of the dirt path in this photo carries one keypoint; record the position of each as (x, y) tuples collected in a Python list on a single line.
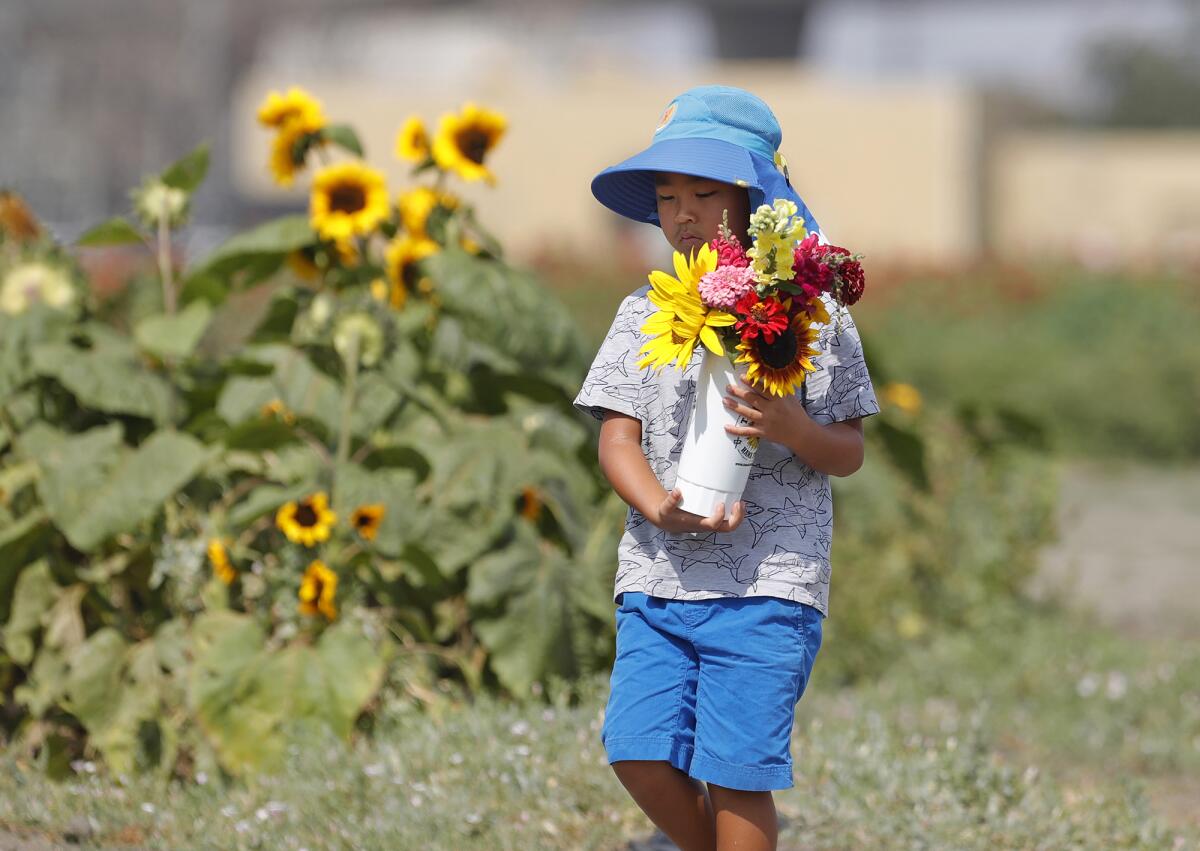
[(1129, 547)]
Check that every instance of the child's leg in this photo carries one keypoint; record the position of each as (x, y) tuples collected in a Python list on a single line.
[(676, 803), (744, 820)]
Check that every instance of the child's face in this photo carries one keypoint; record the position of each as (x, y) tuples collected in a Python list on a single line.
[(690, 208)]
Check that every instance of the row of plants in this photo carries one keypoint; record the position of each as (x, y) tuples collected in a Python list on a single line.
[(334, 465)]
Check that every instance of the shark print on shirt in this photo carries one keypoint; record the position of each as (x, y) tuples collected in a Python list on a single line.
[(782, 546)]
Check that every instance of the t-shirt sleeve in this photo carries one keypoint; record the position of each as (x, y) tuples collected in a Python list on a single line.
[(841, 388), (614, 382)]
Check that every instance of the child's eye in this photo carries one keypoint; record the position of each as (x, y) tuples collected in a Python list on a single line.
[(666, 197), (706, 194)]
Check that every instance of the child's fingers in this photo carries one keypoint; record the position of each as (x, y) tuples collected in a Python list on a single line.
[(735, 517)]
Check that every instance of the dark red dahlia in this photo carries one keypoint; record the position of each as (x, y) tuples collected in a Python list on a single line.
[(730, 252), (813, 275), (767, 316), (853, 281)]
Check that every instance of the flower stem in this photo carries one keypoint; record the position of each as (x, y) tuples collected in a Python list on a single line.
[(164, 260), (343, 447)]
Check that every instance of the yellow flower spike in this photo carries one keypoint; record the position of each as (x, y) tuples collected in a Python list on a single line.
[(348, 199), (307, 522), (412, 140), (318, 589), (464, 141), (219, 559), (367, 518)]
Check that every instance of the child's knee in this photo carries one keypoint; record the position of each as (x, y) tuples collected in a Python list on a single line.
[(642, 773)]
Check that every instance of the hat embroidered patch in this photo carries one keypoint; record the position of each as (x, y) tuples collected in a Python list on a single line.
[(667, 116)]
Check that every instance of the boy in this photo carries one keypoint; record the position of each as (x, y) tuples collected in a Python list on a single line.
[(718, 618)]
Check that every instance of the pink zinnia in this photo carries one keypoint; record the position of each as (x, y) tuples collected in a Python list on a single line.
[(722, 287)]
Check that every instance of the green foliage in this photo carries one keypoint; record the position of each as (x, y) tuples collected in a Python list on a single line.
[(226, 528), (1108, 365)]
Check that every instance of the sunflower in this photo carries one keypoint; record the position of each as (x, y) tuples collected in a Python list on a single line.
[(219, 558), (683, 318), (903, 396), (366, 519), (464, 140), (348, 199), (307, 521), (531, 504), (290, 148), (403, 256), (412, 142), (779, 367), (16, 219), (275, 409), (416, 205), (317, 590), (294, 105)]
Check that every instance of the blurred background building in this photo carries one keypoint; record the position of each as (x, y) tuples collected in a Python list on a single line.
[(930, 131)]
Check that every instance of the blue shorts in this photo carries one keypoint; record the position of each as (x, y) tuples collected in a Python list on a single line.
[(710, 686)]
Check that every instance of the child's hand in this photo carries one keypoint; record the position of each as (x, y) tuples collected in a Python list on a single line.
[(674, 519), (772, 418)]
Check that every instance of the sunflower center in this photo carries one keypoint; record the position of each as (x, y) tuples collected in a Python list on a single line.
[(779, 353), (408, 274), (676, 339), (347, 198), (306, 515), (473, 144), (361, 521)]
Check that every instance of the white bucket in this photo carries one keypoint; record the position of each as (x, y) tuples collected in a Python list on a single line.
[(714, 464)]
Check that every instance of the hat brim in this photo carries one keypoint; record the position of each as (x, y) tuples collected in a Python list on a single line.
[(627, 188)]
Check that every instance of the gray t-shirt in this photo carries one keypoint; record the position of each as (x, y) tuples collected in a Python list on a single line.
[(781, 547)]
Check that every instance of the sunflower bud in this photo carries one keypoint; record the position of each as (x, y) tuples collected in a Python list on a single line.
[(359, 332), (154, 199)]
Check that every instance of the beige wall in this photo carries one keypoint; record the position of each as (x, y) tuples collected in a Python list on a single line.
[(887, 170), (1100, 197)]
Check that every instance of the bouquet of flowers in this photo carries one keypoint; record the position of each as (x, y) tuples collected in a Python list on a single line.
[(759, 302), (756, 306)]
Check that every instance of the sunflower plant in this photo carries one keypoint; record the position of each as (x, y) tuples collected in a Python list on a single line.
[(757, 305), (331, 465)]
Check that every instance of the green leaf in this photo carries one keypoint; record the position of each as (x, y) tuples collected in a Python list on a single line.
[(104, 378), (541, 630), (174, 336), (189, 171), (906, 450), (277, 236), (35, 593), (19, 541), (94, 488), (265, 499), (115, 231), (304, 390), (344, 135)]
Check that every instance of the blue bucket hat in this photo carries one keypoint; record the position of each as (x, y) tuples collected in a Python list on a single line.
[(719, 132)]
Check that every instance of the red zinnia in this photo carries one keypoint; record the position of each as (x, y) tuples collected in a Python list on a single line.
[(853, 281), (768, 316), (730, 252)]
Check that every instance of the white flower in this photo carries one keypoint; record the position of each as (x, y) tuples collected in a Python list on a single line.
[(364, 329), (35, 282)]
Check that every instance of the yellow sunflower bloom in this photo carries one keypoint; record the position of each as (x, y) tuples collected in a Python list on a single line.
[(290, 148), (317, 591), (366, 519), (348, 199), (308, 521), (219, 559), (683, 319), (415, 206), (293, 105), (403, 257), (531, 504), (904, 396), (412, 142), (17, 221), (464, 141), (780, 367)]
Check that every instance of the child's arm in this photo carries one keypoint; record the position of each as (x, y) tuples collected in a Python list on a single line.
[(835, 448), (624, 465)]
